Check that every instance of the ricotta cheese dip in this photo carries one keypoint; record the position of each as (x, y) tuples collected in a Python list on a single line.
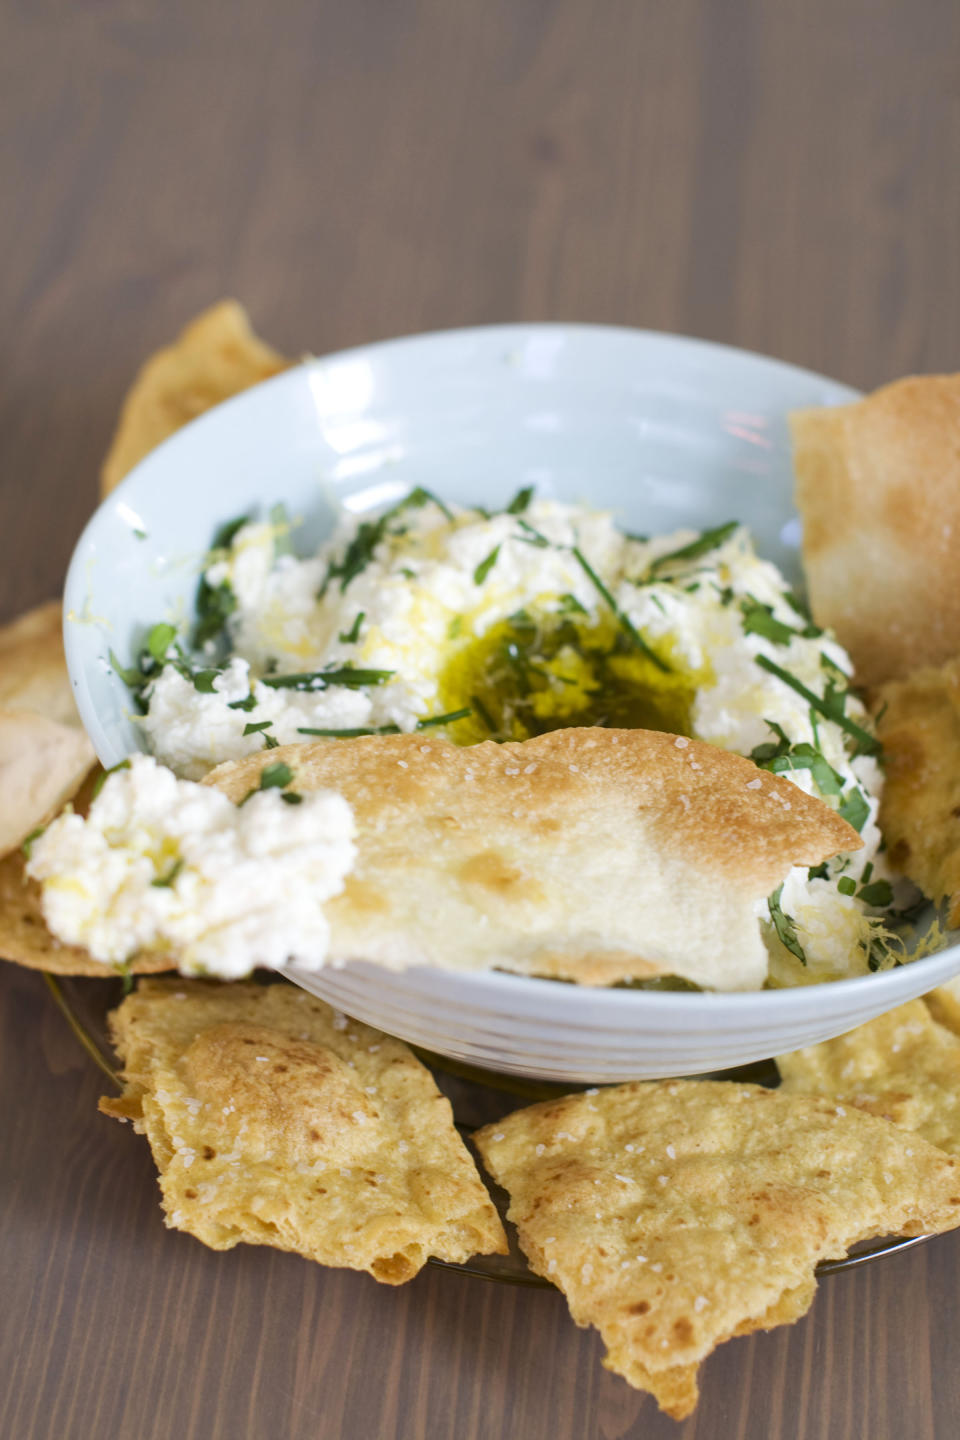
[(162, 865), (509, 624)]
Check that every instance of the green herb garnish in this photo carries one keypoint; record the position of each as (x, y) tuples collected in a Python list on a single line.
[(248, 703), (290, 797), (879, 894), (133, 678), (26, 844), (370, 533), (272, 777), (520, 501), (570, 605), (785, 926), (485, 566), (532, 536), (780, 756), (203, 681), (626, 624), (855, 809), (846, 885), (350, 734), (163, 882), (707, 541), (215, 605), (159, 640), (484, 714), (102, 779), (447, 719), (830, 705), (351, 636), (257, 728), (346, 675), (760, 620)]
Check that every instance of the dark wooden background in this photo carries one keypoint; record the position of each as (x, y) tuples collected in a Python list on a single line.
[(779, 176)]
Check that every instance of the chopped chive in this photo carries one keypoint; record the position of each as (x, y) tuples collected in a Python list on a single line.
[(520, 501), (830, 705), (26, 844), (320, 679), (708, 540), (165, 881), (272, 777), (351, 636), (625, 622), (258, 728), (485, 566), (248, 703), (532, 536), (269, 743), (760, 620), (447, 719), (879, 894), (483, 712), (855, 809), (350, 734), (846, 885), (570, 605), (133, 678), (290, 797), (227, 533), (102, 778)]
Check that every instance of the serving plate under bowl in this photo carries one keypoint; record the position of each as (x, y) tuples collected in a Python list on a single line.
[(663, 431)]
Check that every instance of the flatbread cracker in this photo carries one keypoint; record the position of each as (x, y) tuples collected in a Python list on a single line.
[(587, 854), (903, 1066), (44, 752), (918, 724), (276, 1121), (216, 356), (674, 1215), (944, 1005), (878, 489), (24, 937)]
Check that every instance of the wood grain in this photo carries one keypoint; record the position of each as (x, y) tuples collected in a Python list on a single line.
[(779, 177)]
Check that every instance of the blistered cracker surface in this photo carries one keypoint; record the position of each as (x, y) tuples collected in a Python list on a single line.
[(276, 1121), (674, 1215)]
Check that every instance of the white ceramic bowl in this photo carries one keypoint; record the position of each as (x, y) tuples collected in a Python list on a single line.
[(665, 431)]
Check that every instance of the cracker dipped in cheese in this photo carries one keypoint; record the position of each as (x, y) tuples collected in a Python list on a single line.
[(585, 854)]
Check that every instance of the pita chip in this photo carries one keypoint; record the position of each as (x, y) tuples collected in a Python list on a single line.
[(918, 724), (675, 1215), (903, 1066), (586, 854), (274, 1120), (878, 489), (216, 356)]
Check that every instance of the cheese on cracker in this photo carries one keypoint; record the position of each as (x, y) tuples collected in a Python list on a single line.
[(276, 1121)]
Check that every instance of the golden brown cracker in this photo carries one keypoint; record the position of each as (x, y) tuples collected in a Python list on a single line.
[(586, 854), (902, 1066), (878, 489), (216, 356), (676, 1214), (918, 724), (276, 1121)]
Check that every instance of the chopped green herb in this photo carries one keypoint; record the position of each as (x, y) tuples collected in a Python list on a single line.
[(227, 533), (269, 743), (272, 777), (707, 541), (159, 640), (346, 675), (350, 734), (203, 680), (131, 677), (830, 705), (570, 605), (879, 894), (141, 535), (760, 620), (531, 536), (248, 703), (846, 885), (818, 872), (26, 844), (257, 728), (867, 872), (483, 713), (215, 605), (626, 624), (290, 797), (485, 566), (855, 809), (102, 779), (447, 719), (785, 927), (351, 636), (455, 627), (520, 501), (126, 975), (370, 533), (163, 882), (782, 756)]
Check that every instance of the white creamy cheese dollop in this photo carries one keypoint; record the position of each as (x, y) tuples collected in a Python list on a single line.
[(162, 865)]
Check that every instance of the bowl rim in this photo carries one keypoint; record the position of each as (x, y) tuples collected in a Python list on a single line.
[(509, 332)]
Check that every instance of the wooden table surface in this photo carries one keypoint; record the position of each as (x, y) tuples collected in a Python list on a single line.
[(781, 177)]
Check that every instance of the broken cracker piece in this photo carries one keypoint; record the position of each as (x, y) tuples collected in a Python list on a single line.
[(878, 490), (902, 1066), (585, 854), (275, 1121), (674, 1215), (918, 724), (216, 356)]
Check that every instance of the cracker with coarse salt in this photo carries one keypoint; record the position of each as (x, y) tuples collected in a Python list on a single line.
[(276, 1121), (903, 1066), (585, 854), (675, 1215)]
